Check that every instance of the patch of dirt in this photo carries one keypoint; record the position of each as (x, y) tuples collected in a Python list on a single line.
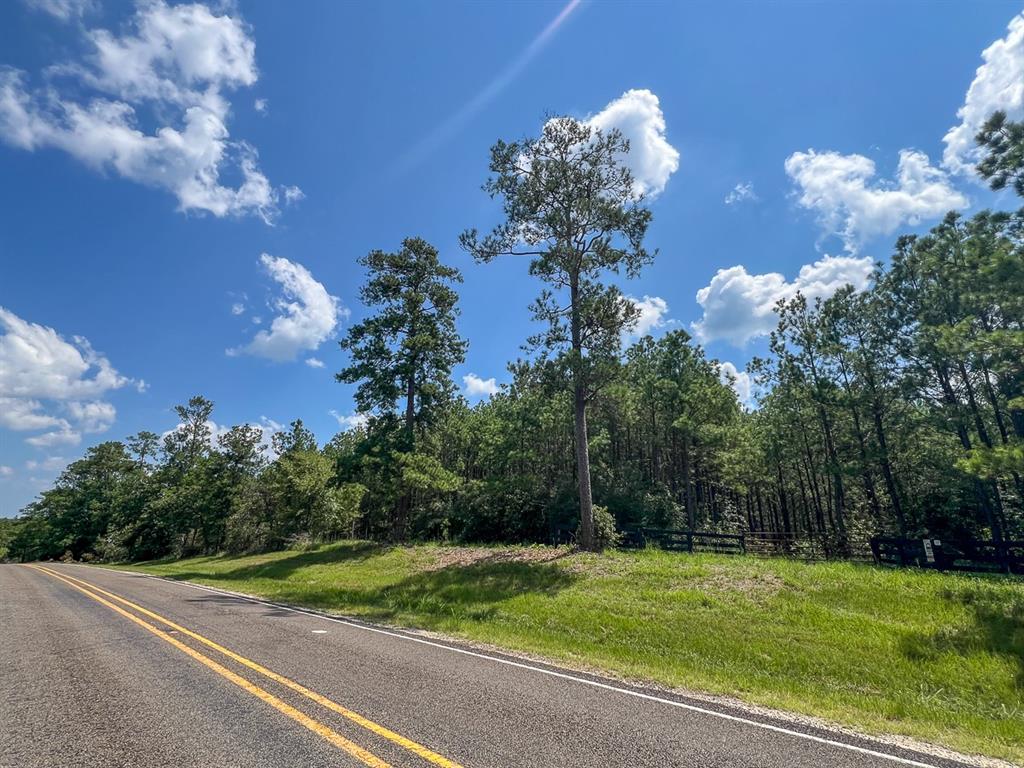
[(723, 578), (596, 565), (447, 557)]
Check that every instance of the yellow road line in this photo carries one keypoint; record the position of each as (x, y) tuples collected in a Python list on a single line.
[(355, 717), (315, 726)]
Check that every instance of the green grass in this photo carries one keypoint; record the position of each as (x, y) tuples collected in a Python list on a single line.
[(934, 656)]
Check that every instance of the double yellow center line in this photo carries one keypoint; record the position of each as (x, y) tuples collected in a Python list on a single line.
[(324, 731)]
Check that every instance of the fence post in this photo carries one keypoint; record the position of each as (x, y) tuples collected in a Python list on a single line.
[(1004, 555), (689, 542)]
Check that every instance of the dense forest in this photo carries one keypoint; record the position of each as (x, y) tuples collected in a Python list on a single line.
[(898, 409)]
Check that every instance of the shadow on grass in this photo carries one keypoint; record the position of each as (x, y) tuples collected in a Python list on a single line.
[(997, 627), (431, 599), (449, 595), (283, 567)]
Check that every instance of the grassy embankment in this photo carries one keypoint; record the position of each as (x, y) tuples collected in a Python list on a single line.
[(934, 656)]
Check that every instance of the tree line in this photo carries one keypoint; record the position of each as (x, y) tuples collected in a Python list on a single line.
[(898, 409)]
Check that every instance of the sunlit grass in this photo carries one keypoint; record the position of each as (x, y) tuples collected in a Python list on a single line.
[(935, 656)]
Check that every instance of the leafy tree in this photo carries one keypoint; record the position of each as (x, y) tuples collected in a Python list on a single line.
[(800, 346), (8, 530), (406, 350), (572, 206), (144, 446), (190, 441), (304, 499), (297, 438)]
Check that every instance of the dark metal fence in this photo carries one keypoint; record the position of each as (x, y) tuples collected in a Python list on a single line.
[(683, 541), (944, 555), (962, 555)]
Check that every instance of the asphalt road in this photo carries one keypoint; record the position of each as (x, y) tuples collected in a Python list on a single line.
[(99, 668)]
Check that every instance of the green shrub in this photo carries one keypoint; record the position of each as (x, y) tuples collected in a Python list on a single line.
[(605, 533)]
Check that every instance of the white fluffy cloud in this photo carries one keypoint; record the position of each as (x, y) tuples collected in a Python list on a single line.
[(653, 310), (998, 84), (351, 421), (739, 306), (22, 414), (171, 66), (65, 435), (478, 387), (742, 192), (838, 189), (36, 362), (6, 471), (314, 362), (739, 380), (48, 383), (637, 114), (307, 313), (95, 416)]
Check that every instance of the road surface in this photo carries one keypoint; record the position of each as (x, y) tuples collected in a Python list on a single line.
[(100, 668)]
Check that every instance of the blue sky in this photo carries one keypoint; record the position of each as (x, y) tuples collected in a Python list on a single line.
[(152, 153)]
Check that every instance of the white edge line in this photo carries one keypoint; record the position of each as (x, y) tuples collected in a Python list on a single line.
[(541, 670)]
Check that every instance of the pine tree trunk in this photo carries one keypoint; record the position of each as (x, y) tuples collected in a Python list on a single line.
[(398, 528), (691, 513), (787, 530), (586, 538), (891, 484)]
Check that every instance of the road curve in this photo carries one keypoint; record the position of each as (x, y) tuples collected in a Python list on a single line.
[(100, 668)]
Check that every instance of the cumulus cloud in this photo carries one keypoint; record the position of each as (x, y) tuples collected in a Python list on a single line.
[(653, 310), (171, 66), (351, 421), (48, 383), (478, 387), (6, 471), (307, 313), (838, 189), (22, 414), (95, 416), (261, 106), (238, 308), (998, 84), (742, 192), (314, 362), (651, 159), (739, 306), (63, 436), (36, 362), (739, 380)]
